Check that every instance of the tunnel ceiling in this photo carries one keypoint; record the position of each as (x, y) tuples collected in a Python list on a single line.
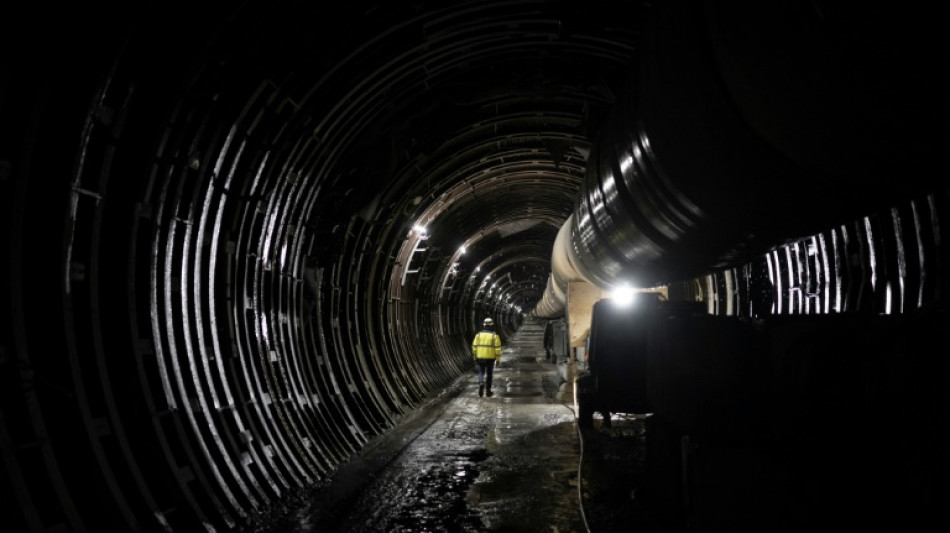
[(474, 120)]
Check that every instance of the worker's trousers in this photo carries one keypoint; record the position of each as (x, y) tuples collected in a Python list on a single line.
[(485, 369)]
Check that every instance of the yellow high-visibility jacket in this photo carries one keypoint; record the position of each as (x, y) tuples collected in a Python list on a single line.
[(486, 345)]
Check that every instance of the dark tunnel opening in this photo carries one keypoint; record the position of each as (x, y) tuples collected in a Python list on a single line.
[(240, 242)]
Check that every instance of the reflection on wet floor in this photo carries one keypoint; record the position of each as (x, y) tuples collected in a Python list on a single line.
[(477, 464)]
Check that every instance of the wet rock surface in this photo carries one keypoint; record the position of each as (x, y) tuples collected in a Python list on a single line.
[(512, 462)]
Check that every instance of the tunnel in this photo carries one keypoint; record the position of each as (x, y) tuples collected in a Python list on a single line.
[(242, 240)]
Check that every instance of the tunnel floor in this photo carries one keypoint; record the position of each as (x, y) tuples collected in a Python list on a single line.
[(518, 462), (506, 463)]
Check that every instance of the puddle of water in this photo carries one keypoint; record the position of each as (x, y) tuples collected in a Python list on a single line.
[(439, 501)]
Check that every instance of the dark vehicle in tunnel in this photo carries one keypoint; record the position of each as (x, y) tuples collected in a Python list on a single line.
[(790, 416), (778, 420), (615, 377), (240, 241)]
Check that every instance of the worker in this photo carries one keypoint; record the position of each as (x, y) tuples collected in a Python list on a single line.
[(486, 349)]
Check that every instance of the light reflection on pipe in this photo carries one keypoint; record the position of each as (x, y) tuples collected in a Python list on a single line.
[(777, 281), (790, 287), (901, 260), (827, 273), (836, 272), (921, 258), (872, 256)]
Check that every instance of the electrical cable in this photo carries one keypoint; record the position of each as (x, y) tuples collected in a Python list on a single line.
[(580, 463)]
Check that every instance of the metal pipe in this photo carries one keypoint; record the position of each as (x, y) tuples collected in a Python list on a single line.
[(692, 174)]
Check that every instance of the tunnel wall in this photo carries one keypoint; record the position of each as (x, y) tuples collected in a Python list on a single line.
[(191, 338)]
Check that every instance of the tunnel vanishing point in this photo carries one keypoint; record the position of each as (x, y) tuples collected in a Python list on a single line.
[(240, 240)]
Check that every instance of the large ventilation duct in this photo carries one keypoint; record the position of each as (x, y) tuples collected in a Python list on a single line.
[(698, 169), (563, 271)]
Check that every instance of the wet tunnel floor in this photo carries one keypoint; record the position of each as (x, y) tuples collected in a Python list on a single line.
[(509, 463)]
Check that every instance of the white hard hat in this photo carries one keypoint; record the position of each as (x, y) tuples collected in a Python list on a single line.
[(488, 322)]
